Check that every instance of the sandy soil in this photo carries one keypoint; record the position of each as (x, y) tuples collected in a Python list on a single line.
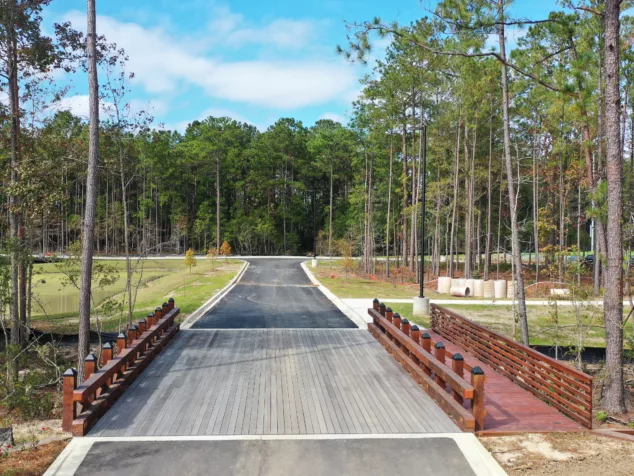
[(562, 454), (32, 462)]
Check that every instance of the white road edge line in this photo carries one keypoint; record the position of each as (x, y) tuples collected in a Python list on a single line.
[(342, 306), (480, 460), (202, 310)]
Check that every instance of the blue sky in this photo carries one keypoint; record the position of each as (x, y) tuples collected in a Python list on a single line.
[(253, 61)]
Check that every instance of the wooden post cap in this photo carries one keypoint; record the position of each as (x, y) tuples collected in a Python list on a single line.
[(415, 327), (396, 320), (405, 326), (382, 309), (440, 345), (165, 306), (477, 371), (158, 309), (107, 345), (457, 356), (426, 335), (70, 373), (170, 301), (375, 304)]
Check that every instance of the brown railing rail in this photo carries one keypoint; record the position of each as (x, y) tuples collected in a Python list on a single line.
[(83, 405), (562, 387), (445, 384)]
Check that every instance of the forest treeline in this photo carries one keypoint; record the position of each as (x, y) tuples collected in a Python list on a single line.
[(525, 149)]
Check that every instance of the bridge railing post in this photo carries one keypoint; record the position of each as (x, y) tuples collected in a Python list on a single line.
[(69, 410), (426, 343), (414, 334), (396, 321), (440, 356), (90, 366), (477, 404), (458, 367)]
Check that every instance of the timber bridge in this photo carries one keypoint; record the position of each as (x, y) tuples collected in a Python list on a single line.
[(275, 379)]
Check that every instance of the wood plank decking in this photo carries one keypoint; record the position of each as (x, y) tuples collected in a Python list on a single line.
[(510, 408), (274, 381)]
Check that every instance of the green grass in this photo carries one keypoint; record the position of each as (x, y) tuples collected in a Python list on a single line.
[(160, 279), (541, 322), (349, 286)]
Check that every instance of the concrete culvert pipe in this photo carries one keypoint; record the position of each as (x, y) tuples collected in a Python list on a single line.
[(444, 285), (461, 291), (478, 288), (488, 289), (499, 287)]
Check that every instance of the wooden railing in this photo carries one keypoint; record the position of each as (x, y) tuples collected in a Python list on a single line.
[(445, 384), (562, 387), (83, 405)]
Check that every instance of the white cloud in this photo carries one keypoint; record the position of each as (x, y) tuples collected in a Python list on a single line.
[(232, 29), (163, 64), (79, 106), (333, 116)]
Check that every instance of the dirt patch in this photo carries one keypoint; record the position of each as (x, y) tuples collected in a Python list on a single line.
[(562, 454), (31, 432), (31, 462)]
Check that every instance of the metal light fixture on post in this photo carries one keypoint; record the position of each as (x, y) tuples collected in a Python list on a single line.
[(421, 303)]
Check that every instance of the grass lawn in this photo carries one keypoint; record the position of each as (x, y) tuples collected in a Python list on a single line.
[(541, 322), (542, 325), (332, 275), (55, 305)]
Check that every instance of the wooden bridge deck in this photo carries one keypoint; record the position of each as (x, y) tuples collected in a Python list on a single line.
[(510, 408), (273, 381)]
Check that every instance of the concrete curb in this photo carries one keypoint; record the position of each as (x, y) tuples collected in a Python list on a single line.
[(202, 310), (343, 307)]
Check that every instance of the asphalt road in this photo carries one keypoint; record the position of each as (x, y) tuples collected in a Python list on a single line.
[(352, 457), (274, 293)]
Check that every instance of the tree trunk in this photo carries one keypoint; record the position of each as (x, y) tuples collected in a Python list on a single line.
[(536, 207), (330, 214), (405, 195), (469, 204), (614, 395), (218, 244), (487, 252), (515, 239), (14, 202), (126, 237), (389, 208), (455, 201), (91, 193)]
